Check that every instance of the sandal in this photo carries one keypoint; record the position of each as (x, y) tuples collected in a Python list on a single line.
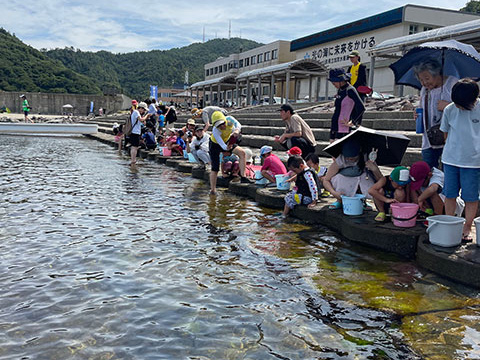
[(466, 238), (335, 205), (380, 217)]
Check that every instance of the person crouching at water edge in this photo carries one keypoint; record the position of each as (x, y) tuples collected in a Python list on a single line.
[(390, 189), (306, 183), (223, 130), (138, 116)]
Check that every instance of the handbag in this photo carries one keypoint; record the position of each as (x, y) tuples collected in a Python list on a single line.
[(434, 134)]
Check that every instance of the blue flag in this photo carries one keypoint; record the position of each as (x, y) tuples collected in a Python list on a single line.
[(154, 91)]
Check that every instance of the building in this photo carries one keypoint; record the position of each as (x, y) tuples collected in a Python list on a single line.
[(332, 46)]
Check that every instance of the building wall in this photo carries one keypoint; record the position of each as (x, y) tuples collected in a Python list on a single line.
[(51, 103)]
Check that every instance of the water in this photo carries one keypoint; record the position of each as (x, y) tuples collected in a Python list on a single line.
[(102, 262)]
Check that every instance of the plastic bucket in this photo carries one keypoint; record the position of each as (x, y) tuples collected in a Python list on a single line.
[(477, 229), (353, 205), (260, 180), (445, 230), (185, 154), (281, 180), (191, 158), (164, 151), (404, 214)]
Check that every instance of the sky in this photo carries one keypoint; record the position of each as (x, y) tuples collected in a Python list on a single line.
[(126, 26)]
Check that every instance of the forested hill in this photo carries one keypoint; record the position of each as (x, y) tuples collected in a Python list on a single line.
[(134, 72), (23, 68)]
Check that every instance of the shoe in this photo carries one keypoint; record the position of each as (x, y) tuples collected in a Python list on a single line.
[(466, 238), (380, 217), (335, 205), (325, 194), (245, 180)]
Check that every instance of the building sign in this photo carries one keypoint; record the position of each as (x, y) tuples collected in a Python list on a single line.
[(339, 52)]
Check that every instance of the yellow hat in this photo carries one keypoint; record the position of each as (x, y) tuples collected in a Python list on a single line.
[(218, 118), (196, 112)]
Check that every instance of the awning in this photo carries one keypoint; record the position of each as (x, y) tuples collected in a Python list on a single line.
[(301, 66), (228, 79)]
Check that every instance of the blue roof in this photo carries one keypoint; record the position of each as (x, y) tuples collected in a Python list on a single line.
[(374, 22)]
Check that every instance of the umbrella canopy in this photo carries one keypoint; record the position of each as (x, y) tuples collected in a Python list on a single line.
[(391, 147), (458, 59), (67, 106)]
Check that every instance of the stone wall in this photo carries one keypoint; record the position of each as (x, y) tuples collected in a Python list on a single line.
[(51, 103)]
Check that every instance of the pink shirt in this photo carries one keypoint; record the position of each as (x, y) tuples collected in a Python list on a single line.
[(274, 164)]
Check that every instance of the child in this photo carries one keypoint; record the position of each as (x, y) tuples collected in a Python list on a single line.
[(199, 146), (461, 154), (118, 132), (314, 163), (161, 118), (426, 187), (389, 189), (249, 166), (149, 139), (272, 165), (230, 164), (294, 151), (171, 138), (179, 144), (307, 185)]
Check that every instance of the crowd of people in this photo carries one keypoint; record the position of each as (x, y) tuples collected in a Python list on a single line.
[(446, 181)]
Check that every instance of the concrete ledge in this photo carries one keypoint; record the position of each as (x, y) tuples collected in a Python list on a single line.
[(185, 167), (272, 198)]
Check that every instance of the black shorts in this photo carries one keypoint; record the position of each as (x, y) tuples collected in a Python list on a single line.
[(134, 140), (26, 113), (215, 151)]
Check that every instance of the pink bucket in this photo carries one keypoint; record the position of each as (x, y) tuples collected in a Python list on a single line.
[(404, 214), (164, 151)]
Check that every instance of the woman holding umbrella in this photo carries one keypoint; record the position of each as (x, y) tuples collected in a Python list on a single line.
[(435, 95)]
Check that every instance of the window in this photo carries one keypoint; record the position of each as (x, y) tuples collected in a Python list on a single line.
[(216, 69), (247, 61), (266, 56), (252, 60), (426, 28), (235, 64), (413, 29), (259, 58), (206, 72), (220, 68), (241, 63), (274, 54), (225, 67)]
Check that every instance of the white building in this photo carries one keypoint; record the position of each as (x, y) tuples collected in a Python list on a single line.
[(332, 46)]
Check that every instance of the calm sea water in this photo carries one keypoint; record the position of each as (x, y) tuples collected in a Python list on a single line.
[(102, 262)]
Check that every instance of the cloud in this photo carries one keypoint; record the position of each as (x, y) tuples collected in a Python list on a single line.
[(123, 26)]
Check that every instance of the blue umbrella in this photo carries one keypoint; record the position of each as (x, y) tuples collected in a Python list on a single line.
[(458, 59)]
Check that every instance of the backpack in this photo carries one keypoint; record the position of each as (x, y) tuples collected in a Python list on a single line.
[(127, 128), (171, 116)]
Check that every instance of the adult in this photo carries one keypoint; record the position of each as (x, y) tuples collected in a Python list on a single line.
[(348, 173), (152, 111), (199, 146), (358, 72), (206, 114), (349, 106), (223, 130), (272, 165), (137, 117), (297, 132), (190, 126), (435, 95), (26, 108)]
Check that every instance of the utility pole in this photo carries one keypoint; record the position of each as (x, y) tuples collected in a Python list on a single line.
[(203, 33), (229, 29)]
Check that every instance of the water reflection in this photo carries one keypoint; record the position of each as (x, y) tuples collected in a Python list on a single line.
[(99, 261)]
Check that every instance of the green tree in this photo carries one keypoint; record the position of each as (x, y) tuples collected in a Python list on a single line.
[(472, 7)]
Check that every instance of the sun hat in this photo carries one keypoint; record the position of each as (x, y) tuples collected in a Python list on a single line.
[(22, 96), (134, 102), (418, 173), (265, 149), (354, 53), (400, 175), (350, 148), (218, 118), (191, 122), (287, 107), (199, 127), (196, 111), (294, 151), (337, 75), (143, 105)]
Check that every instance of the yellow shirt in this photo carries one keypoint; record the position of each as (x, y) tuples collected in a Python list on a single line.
[(354, 72), (225, 134)]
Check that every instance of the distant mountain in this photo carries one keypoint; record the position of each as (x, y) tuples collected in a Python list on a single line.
[(134, 72), (23, 68)]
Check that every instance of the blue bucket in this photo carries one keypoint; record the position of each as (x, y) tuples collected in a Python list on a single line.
[(353, 205)]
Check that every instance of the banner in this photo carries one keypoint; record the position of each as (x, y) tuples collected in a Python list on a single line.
[(91, 106), (154, 91)]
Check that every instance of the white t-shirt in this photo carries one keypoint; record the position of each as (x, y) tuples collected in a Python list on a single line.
[(152, 109), (462, 148), (136, 128), (434, 96), (203, 142)]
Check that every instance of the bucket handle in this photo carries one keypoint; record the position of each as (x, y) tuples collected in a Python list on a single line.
[(405, 219), (429, 228)]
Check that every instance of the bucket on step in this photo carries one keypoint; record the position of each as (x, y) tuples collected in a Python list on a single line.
[(404, 214), (165, 151), (282, 183), (445, 230), (477, 229), (353, 205), (259, 179), (191, 158)]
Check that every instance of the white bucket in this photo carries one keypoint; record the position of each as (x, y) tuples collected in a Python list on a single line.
[(281, 180), (191, 158), (445, 230), (260, 180), (477, 229)]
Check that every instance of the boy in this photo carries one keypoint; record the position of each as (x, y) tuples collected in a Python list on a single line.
[(306, 183), (389, 189), (426, 187), (199, 146), (314, 163), (272, 165)]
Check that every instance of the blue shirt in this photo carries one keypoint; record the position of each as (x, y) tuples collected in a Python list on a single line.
[(181, 143)]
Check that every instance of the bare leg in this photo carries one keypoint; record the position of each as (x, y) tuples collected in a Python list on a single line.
[(133, 155), (470, 212), (450, 206), (241, 155), (267, 176), (213, 182)]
